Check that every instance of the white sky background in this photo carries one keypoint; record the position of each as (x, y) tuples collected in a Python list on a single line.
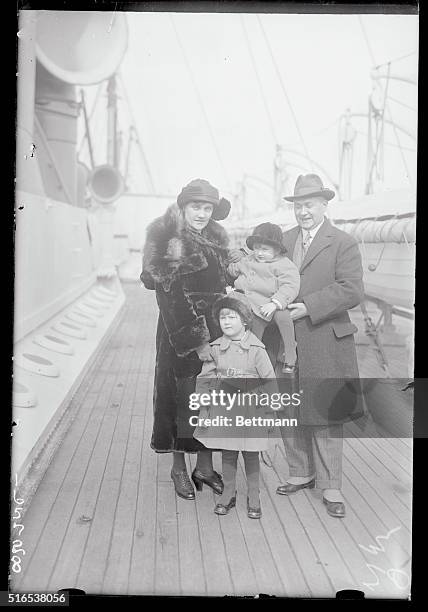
[(325, 65)]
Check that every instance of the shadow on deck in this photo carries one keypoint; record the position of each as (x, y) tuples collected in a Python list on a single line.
[(105, 517)]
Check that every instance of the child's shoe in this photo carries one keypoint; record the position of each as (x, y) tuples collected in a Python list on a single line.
[(222, 509), (254, 513)]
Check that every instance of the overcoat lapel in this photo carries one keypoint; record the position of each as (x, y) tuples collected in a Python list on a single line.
[(323, 238), (289, 240)]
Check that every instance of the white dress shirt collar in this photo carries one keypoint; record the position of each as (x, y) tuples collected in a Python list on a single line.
[(312, 231)]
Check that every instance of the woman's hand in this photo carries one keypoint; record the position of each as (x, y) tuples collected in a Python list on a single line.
[(267, 309), (235, 255), (204, 352)]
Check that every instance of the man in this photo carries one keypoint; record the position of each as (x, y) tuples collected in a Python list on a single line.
[(331, 283)]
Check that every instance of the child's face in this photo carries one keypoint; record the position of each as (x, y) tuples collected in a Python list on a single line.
[(264, 252), (231, 323)]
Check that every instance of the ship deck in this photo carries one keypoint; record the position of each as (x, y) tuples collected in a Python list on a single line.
[(105, 517)]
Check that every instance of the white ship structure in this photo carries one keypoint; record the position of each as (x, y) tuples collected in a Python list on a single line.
[(67, 293)]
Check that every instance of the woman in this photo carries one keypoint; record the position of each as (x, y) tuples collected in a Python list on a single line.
[(185, 260)]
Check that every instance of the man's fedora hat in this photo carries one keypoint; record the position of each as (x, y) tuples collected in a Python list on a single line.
[(310, 185)]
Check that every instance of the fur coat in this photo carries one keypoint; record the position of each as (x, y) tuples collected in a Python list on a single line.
[(188, 271)]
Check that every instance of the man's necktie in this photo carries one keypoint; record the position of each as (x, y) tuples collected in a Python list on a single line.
[(306, 242)]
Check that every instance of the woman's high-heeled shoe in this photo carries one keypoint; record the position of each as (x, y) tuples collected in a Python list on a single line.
[(182, 484), (213, 481), (254, 513), (222, 509)]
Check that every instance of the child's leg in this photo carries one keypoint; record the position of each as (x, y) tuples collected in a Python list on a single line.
[(285, 325), (252, 471), (258, 326), (229, 465)]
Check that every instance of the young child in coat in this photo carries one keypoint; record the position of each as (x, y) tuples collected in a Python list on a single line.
[(238, 354), (271, 282)]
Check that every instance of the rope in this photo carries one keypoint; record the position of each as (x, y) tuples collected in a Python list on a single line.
[(389, 144), (403, 104), (137, 136), (247, 40), (399, 145), (386, 107), (89, 117), (201, 103), (372, 333), (284, 91), (397, 59)]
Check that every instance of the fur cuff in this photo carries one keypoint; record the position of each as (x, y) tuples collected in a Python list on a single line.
[(190, 337)]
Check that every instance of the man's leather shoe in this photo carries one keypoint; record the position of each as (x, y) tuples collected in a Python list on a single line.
[(336, 509), (182, 484), (289, 488)]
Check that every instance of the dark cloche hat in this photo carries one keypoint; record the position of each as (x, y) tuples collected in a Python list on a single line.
[(235, 300), (267, 233), (200, 190), (310, 185)]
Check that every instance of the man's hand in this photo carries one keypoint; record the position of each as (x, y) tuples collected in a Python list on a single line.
[(235, 255), (204, 352), (297, 310), (267, 309)]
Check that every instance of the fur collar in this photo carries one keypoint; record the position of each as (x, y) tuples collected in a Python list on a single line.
[(171, 248)]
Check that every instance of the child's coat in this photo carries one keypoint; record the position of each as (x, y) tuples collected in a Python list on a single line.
[(244, 359)]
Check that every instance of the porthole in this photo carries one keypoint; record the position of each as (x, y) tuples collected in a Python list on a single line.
[(53, 343), (102, 296), (22, 396), (106, 292), (68, 329), (93, 303), (89, 310), (36, 364), (80, 317)]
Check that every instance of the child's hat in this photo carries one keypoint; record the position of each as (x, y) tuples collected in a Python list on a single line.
[(235, 300), (267, 233)]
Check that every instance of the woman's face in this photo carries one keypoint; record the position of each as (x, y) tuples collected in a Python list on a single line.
[(197, 214)]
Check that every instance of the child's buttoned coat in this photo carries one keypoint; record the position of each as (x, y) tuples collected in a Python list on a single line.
[(261, 281), (233, 362)]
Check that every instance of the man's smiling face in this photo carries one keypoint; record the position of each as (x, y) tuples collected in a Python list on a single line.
[(310, 211)]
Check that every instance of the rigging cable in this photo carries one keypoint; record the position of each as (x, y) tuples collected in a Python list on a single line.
[(89, 118), (284, 90), (389, 144), (136, 135), (198, 95), (397, 59), (403, 104), (247, 40), (386, 107)]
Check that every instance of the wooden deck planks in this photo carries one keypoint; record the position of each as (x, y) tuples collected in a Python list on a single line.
[(142, 539), (43, 559)]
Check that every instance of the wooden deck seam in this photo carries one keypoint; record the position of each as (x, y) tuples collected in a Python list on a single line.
[(122, 483), (118, 358), (120, 413), (303, 529), (42, 531)]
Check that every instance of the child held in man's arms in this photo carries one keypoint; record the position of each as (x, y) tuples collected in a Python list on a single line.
[(271, 282)]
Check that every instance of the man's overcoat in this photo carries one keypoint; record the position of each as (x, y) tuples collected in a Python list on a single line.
[(330, 284)]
